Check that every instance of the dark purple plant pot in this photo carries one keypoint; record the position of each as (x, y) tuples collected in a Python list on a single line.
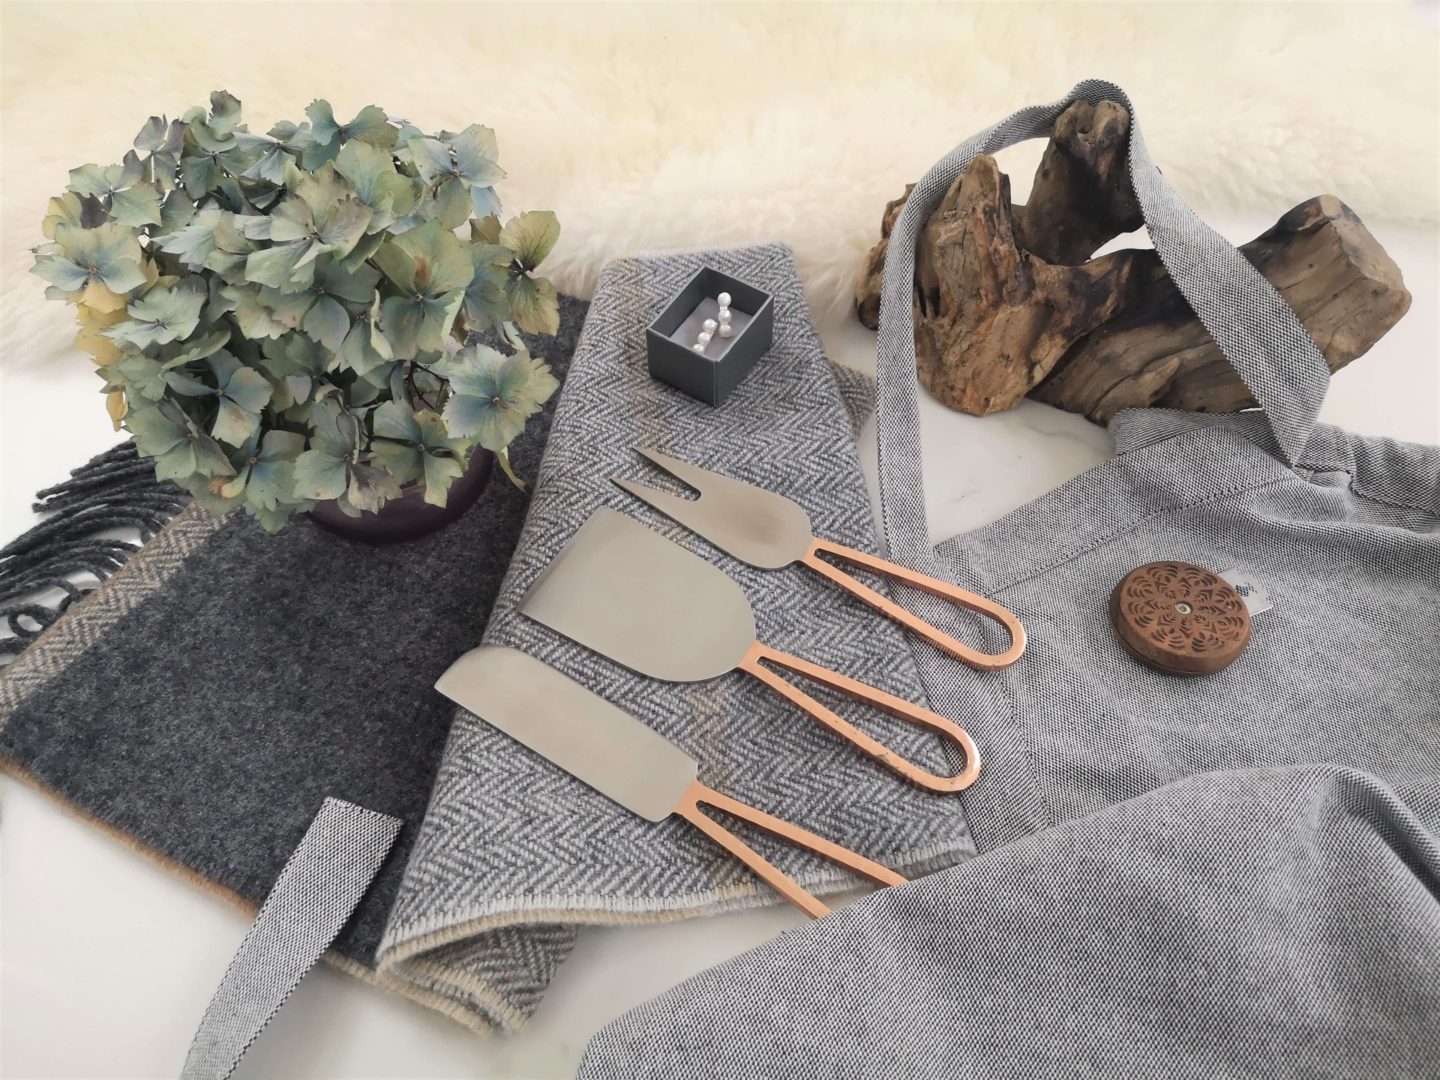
[(410, 517)]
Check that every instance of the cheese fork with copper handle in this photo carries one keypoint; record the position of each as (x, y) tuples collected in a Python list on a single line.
[(626, 761), (769, 531)]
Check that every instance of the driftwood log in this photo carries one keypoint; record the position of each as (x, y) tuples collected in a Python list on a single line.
[(1009, 300)]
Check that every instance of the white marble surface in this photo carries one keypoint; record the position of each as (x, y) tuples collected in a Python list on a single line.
[(106, 962)]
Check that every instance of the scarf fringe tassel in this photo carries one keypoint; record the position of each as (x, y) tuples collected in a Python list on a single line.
[(114, 492)]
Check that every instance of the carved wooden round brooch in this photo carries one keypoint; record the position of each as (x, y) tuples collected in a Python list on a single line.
[(1180, 619)]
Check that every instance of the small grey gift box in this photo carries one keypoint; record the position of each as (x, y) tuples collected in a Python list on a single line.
[(712, 374)]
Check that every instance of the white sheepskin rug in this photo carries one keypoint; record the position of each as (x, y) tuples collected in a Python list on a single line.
[(674, 125)]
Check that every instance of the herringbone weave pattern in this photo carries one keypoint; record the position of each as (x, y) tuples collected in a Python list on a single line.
[(85, 625), (512, 841)]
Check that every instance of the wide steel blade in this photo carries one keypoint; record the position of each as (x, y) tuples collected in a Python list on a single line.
[(584, 734), (629, 593), (756, 526)]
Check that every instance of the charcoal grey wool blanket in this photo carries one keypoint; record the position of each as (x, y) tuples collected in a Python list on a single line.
[(223, 683), (515, 854)]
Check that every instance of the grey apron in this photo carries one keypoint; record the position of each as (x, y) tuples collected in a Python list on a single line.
[(1235, 875)]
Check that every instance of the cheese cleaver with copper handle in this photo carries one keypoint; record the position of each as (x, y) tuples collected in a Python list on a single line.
[(624, 760), (769, 531), (630, 594)]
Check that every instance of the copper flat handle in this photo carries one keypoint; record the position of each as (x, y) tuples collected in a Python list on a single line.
[(772, 875), (935, 587), (755, 660)]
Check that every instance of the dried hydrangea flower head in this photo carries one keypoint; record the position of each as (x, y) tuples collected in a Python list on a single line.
[(280, 319)]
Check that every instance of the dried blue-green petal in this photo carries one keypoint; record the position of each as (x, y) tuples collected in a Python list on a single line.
[(288, 267), (85, 211), (136, 206), (427, 259), (451, 203), (492, 395), (319, 474), (366, 347), (187, 385), (63, 273), (432, 159), (158, 134), (251, 315), (224, 111), (108, 253), (487, 306), (95, 180), (485, 230), (532, 236), (271, 479), (377, 182), (161, 315), (198, 348), (242, 393), (143, 376), (270, 158), (477, 155), (535, 305), (176, 210), (154, 431), (370, 488)]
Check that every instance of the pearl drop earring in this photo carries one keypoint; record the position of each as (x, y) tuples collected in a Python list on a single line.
[(724, 301), (707, 333)]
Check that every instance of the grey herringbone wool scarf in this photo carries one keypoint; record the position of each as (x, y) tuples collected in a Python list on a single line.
[(514, 853), (1230, 876)]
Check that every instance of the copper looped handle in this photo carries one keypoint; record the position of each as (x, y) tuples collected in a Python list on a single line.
[(772, 875), (905, 710), (935, 587)]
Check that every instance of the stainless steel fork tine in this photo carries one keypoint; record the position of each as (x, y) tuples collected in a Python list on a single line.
[(754, 525), (675, 506), (683, 471)]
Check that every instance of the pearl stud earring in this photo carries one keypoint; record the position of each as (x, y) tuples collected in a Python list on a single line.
[(724, 300), (707, 334)]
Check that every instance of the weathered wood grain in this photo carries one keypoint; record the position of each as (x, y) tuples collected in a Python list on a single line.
[(1010, 300)]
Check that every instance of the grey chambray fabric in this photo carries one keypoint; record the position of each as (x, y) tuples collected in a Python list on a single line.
[(511, 841), (316, 892), (1233, 875), (1264, 923)]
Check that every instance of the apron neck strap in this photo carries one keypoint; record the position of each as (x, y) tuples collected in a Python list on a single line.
[(1251, 323)]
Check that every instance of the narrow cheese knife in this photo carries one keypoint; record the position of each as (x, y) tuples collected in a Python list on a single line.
[(769, 531), (624, 760)]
